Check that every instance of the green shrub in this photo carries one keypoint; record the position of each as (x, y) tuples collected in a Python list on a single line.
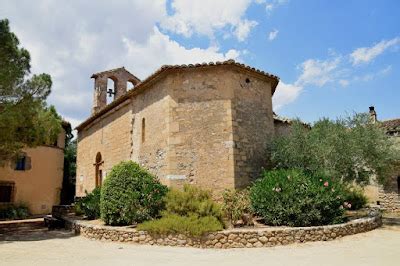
[(90, 204), (130, 194), (290, 197), (14, 212), (187, 225), (192, 201), (237, 206), (190, 211), (354, 198)]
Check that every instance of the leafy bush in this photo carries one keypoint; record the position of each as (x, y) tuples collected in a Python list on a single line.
[(237, 206), (187, 225), (192, 201), (14, 212), (90, 204), (130, 194), (290, 197), (354, 198)]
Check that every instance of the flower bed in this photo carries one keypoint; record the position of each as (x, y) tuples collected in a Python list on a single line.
[(235, 238)]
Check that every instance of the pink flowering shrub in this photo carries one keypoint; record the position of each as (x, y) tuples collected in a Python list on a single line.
[(293, 198)]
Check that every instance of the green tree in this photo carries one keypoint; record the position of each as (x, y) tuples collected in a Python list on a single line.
[(69, 177), (351, 149), (25, 120)]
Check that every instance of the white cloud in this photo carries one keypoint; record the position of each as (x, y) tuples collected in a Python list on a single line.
[(344, 82), (367, 54), (205, 17), (160, 49), (371, 76), (285, 94), (272, 4), (243, 29), (72, 42), (273, 34), (318, 72), (334, 70)]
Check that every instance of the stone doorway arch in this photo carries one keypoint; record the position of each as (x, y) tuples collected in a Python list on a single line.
[(99, 169)]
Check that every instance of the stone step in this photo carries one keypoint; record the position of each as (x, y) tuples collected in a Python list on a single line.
[(7, 227)]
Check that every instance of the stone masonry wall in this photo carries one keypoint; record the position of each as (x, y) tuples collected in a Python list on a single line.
[(111, 136), (205, 126), (200, 146), (253, 125), (118, 136), (149, 142), (236, 238), (389, 195)]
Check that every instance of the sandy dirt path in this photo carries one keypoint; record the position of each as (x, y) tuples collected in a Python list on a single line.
[(379, 247)]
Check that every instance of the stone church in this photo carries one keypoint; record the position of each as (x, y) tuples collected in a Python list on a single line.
[(204, 124)]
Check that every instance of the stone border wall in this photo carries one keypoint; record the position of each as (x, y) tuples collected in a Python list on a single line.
[(235, 238)]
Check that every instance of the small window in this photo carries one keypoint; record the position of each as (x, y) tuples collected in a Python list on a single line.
[(398, 184), (143, 130), (20, 164), (6, 192)]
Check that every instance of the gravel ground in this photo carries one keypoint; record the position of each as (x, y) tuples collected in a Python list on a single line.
[(378, 247)]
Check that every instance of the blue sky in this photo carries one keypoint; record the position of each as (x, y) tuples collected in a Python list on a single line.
[(332, 57)]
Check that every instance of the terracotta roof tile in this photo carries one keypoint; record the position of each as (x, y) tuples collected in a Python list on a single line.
[(393, 124)]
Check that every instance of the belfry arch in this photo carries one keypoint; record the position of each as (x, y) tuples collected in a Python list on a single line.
[(104, 95)]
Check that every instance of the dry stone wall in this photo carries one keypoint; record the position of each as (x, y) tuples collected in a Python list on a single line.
[(237, 238)]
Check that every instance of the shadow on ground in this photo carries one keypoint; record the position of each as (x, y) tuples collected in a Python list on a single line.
[(391, 221), (36, 235)]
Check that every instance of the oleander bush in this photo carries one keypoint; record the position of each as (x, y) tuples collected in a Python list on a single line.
[(14, 212), (176, 224), (355, 198), (293, 198), (90, 204), (237, 207), (130, 194)]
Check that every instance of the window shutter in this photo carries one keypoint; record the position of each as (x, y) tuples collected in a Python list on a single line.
[(28, 165)]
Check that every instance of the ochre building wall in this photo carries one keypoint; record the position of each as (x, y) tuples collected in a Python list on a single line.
[(39, 187)]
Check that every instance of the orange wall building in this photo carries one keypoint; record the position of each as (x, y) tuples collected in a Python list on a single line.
[(35, 179)]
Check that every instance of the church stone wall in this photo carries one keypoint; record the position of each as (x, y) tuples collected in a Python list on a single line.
[(150, 127), (205, 126), (253, 125), (110, 136), (201, 141)]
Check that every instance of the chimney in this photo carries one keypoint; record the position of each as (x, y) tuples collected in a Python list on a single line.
[(372, 114)]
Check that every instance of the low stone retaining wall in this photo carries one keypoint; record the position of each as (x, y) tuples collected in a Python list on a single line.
[(235, 238)]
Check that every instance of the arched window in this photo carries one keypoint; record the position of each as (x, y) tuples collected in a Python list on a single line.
[(143, 130), (111, 89), (130, 85), (99, 172)]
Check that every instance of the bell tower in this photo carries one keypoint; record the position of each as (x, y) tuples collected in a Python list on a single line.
[(120, 76)]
